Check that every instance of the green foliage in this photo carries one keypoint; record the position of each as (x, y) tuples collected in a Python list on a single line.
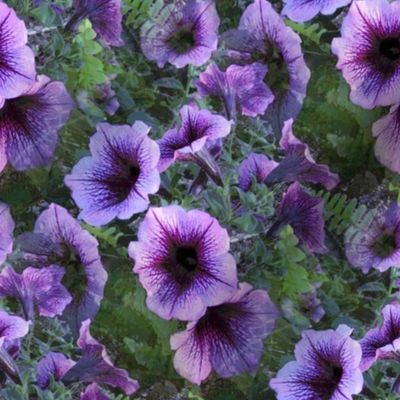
[(137, 12)]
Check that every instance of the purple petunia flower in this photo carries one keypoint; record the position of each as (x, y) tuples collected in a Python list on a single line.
[(93, 392), (105, 17), (36, 288), (53, 365), (96, 367), (30, 122), (369, 52), (375, 243), (59, 239), (6, 232), (298, 163), (117, 179), (238, 87), (387, 146), (17, 68), (182, 33), (199, 129), (255, 166), (304, 213), (182, 261), (228, 338), (326, 367), (304, 10), (384, 342), (263, 37)]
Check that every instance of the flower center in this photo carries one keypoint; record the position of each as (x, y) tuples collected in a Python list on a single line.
[(390, 48), (186, 258), (385, 245), (182, 41)]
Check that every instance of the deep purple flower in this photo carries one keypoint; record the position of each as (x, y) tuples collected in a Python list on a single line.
[(382, 343), (53, 365), (58, 238), (182, 261), (255, 166), (36, 288), (326, 367), (93, 392), (198, 130), (96, 366), (239, 87), (184, 32), (298, 165), (117, 179), (262, 36), (375, 242), (105, 17), (387, 146), (304, 213), (17, 68), (369, 52), (304, 10), (6, 232), (228, 338), (30, 122)]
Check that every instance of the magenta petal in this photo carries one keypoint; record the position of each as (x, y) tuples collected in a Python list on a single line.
[(12, 328), (6, 232), (93, 392)]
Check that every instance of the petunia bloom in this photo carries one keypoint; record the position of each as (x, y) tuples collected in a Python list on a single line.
[(17, 68), (105, 17), (369, 52), (29, 124), (304, 10), (58, 238), (96, 367), (198, 130), (53, 365), (326, 367), (382, 343), (375, 242), (228, 338), (93, 392), (298, 165), (262, 36), (182, 261), (387, 146), (255, 166), (39, 288), (6, 233), (239, 87), (182, 33), (117, 179), (304, 213)]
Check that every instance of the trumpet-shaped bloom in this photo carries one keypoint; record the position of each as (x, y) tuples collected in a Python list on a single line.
[(262, 36), (53, 365), (304, 10), (255, 166), (369, 52), (387, 146), (182, 261), (304, 213), (375, 243), (382, 343), (298, 165), (29, 124), (96, 367), (184, 32), (17, 68), (6, 233), (39, 288), (58, 238), (326, 367), (117, 179), (105, 17), (239, 87), (228, 338), (93, 392)]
